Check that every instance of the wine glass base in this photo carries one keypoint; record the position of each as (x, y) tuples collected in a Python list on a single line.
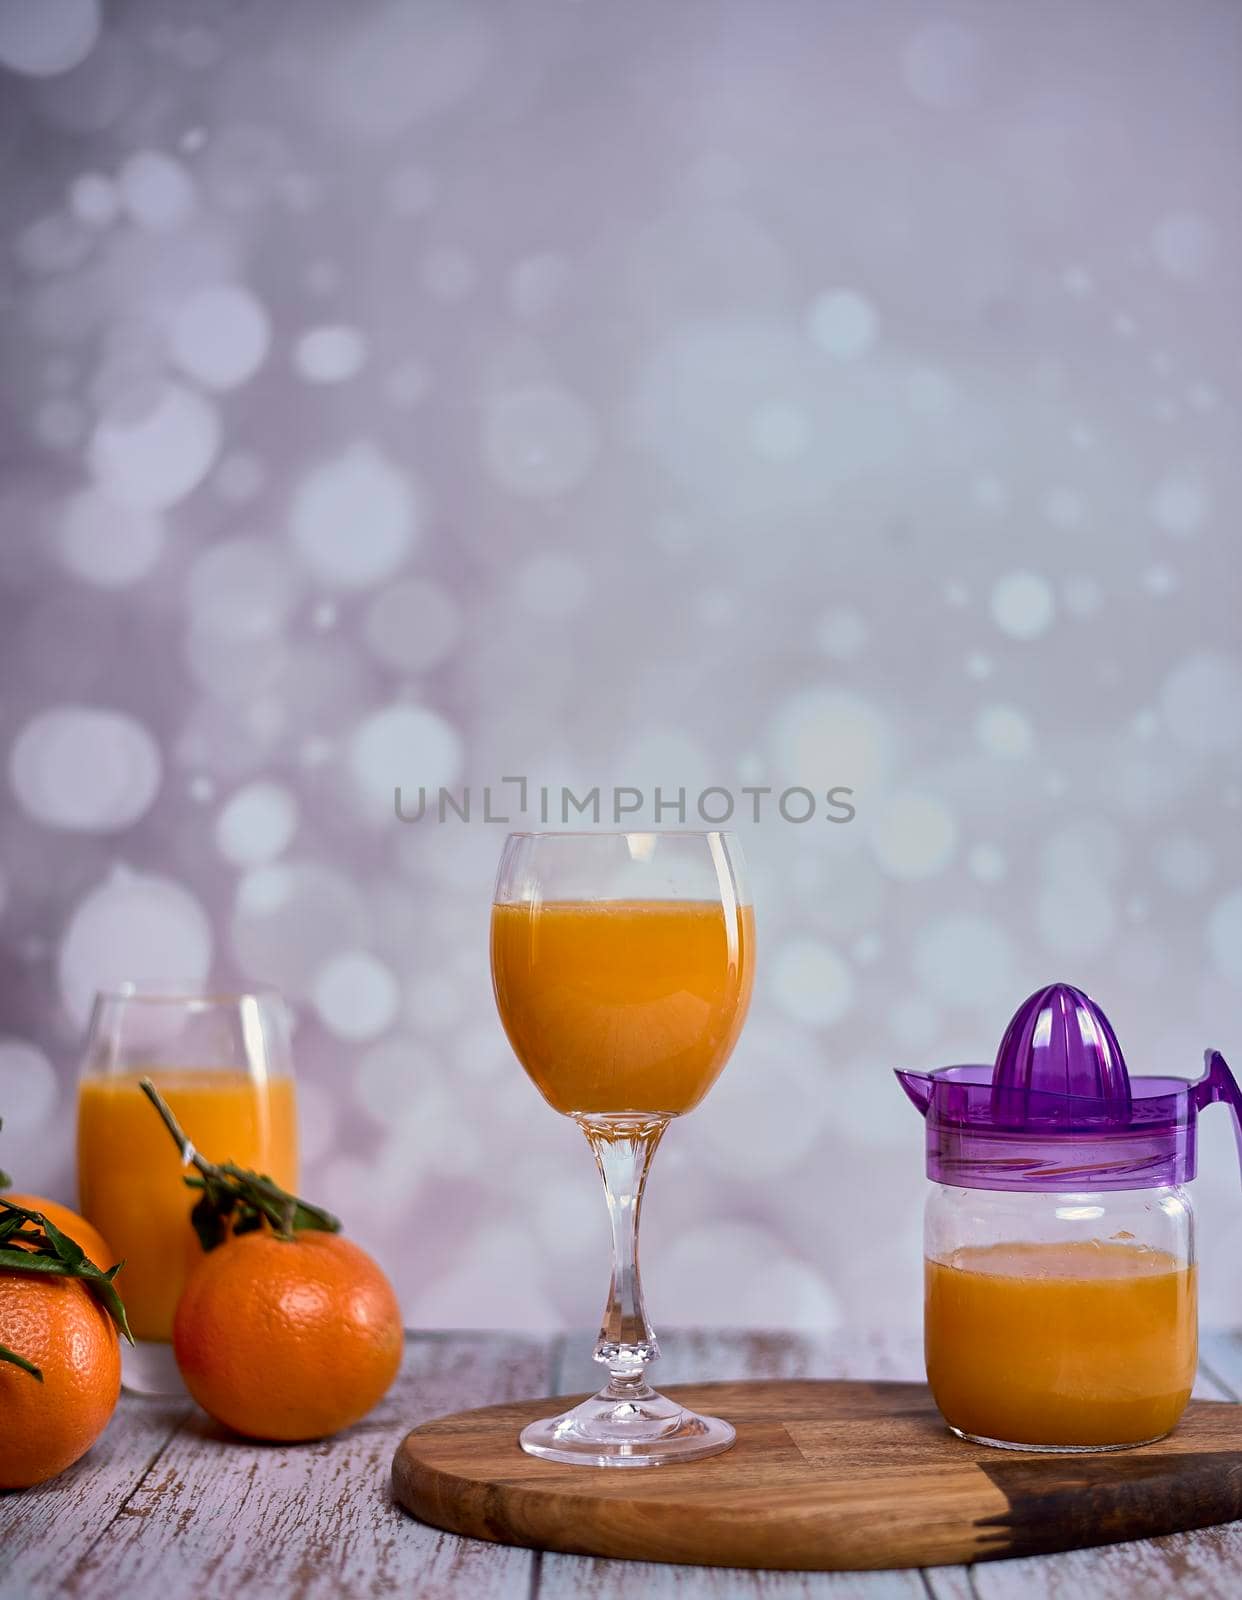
[(647, 1431)]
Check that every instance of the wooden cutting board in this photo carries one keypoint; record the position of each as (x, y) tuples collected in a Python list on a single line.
[(824, 1476)]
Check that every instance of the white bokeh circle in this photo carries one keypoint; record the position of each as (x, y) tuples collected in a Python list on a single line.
[(155, 446), (354, 518), (43, 38), (987, 863), (413, 624), (402, 746), (106, 543), (1005, 732), (1180, 504), (132, 925), (356, 995), (823, 737), (811, 983), (220, 335), (404, 64), (94, 199), (913, 836), (333, 353), (540, 441), (1201, 699), (242, 589), (157, 190), (780, 431), (85, 770), (536, 284), (28, 1090), (1023, 605), (257, 823), (1184, 244), (843, 323), (1185, 863)]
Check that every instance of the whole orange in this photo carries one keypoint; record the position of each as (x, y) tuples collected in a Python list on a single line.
[(78, 1228), (287, 1338), (59, 1325)]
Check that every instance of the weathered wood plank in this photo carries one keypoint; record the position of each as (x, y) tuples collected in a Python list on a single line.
[(44, 1530), (697, 1356), (1196, 1566), (691, 1355), (584, 1578), (217, 1514), (174, 1505)]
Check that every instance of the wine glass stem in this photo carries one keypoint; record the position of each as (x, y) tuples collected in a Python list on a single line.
[(624, 1146)]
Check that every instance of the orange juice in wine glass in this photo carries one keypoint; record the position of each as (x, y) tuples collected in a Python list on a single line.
[(623, 1005), (622, 965)]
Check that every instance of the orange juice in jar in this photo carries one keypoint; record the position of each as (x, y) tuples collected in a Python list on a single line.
[(1078, 1342)]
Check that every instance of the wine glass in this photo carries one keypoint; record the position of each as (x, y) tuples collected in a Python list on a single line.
[(223, 1063), (622, 965)]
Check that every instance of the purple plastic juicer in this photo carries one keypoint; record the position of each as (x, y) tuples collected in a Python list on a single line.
[(1058, 1111), (1057, 1216)]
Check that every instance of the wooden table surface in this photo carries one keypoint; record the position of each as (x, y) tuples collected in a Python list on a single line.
[(167, 1504)]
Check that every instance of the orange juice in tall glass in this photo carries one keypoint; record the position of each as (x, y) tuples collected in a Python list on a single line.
[(222, 1064)]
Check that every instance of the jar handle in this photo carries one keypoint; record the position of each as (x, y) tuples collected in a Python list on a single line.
[(1219, 1083)]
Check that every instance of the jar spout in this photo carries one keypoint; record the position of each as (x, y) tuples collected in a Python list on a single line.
[(1219, 1083), (918, 1086)]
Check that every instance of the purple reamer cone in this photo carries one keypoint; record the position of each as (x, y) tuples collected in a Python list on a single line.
[(1059, 1111)]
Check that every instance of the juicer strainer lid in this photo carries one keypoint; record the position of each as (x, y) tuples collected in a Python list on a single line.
[(1058, 1109)]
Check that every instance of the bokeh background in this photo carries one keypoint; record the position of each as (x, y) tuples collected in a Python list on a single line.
[(808, 392)]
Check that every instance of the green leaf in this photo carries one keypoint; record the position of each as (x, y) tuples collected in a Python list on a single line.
[(11, 1222), (233, 1198), (102, 1287), (275, 1203), (32, 1261), (20, 1361), (67, 1250), (314, 1219), (99, 1283), (5, 1181)]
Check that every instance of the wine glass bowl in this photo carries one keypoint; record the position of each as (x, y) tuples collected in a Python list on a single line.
[(622, 965)]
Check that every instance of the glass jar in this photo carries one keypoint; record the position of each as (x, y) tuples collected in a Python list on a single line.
[(1060, 1321)]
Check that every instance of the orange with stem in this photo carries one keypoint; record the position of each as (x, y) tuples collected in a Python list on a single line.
[(60, 1363), (285, 1330)]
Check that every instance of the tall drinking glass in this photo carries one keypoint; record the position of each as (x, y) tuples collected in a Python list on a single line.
[(622, 965), (223, 1063)]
